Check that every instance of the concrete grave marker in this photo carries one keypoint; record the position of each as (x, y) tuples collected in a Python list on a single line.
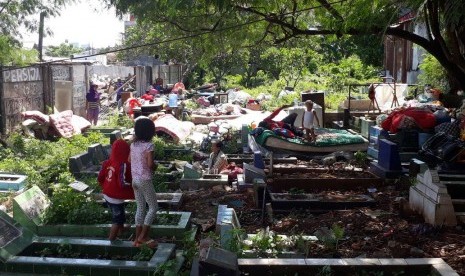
[(29, 206), (13, 238)]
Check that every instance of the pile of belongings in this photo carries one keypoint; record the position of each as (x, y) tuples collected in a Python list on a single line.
[(64, 124), (424, 118), (220, 109)]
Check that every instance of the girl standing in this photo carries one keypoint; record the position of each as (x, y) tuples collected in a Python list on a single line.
[(115, 180), (142, 165)]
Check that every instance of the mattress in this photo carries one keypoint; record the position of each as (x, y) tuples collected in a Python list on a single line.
[(328, 140)]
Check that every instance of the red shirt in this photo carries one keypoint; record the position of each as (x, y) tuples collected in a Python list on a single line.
[(115, 176)]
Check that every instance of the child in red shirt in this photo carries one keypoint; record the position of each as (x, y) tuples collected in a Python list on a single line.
[(115, 179)]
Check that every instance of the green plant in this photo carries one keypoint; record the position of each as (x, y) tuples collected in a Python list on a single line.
[(45, 252), (66, 250), (118, 121), (166, 269), (330, 237), (235, 242), (190, 247), (91, 212), (63, 202), (325, 271), (296, 191), (145, 253), (361, 158), (266, 243)]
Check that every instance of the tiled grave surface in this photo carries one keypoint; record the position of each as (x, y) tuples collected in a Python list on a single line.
[(13, 182), (414, 266)]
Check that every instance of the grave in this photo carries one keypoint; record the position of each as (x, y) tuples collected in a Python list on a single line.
[(346, 266), (248, 158), (89, 163), (23, 252), (206, 181), (29, 217), (308, 180), (430, 198), (283, 201), (12, 182)]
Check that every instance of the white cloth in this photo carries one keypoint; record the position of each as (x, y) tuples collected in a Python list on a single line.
[(309, 116), (113, 200)]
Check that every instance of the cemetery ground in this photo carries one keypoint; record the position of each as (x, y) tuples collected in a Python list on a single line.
[(383, 228)]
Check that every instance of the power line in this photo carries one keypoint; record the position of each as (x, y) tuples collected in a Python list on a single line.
[(172, 39)]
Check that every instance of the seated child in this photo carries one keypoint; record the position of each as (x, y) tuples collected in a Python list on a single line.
[(115, 179)]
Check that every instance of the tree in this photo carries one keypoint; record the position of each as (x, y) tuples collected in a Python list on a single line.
[(284, 20), (63, 50), (10, 54), (22, 13)]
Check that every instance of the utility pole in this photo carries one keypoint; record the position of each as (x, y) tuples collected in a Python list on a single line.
[(41, 34)]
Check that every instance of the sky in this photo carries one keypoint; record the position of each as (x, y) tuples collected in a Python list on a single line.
[(86, 22)]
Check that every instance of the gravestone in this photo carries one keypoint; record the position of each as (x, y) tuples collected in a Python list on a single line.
[(219, 261), (29, 206), (430, 198), (13, 238), (75, 164), (115, 135), (388, 157), (97, 153)]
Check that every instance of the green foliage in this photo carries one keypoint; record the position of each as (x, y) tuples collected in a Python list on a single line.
[(144, 255), (361, 158), (235, 242), (91, 212), (189, 247), (12, 55), (266, 243), (118, 121), (65, 49), (167, 268), (44, 162), (325, 271), (331, 237), (433, 73), (64, 202), (296, 191)]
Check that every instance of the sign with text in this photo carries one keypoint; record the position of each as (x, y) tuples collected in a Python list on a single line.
[(22, 75)]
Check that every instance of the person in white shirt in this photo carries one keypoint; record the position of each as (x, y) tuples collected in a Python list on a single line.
[(307, 121)]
